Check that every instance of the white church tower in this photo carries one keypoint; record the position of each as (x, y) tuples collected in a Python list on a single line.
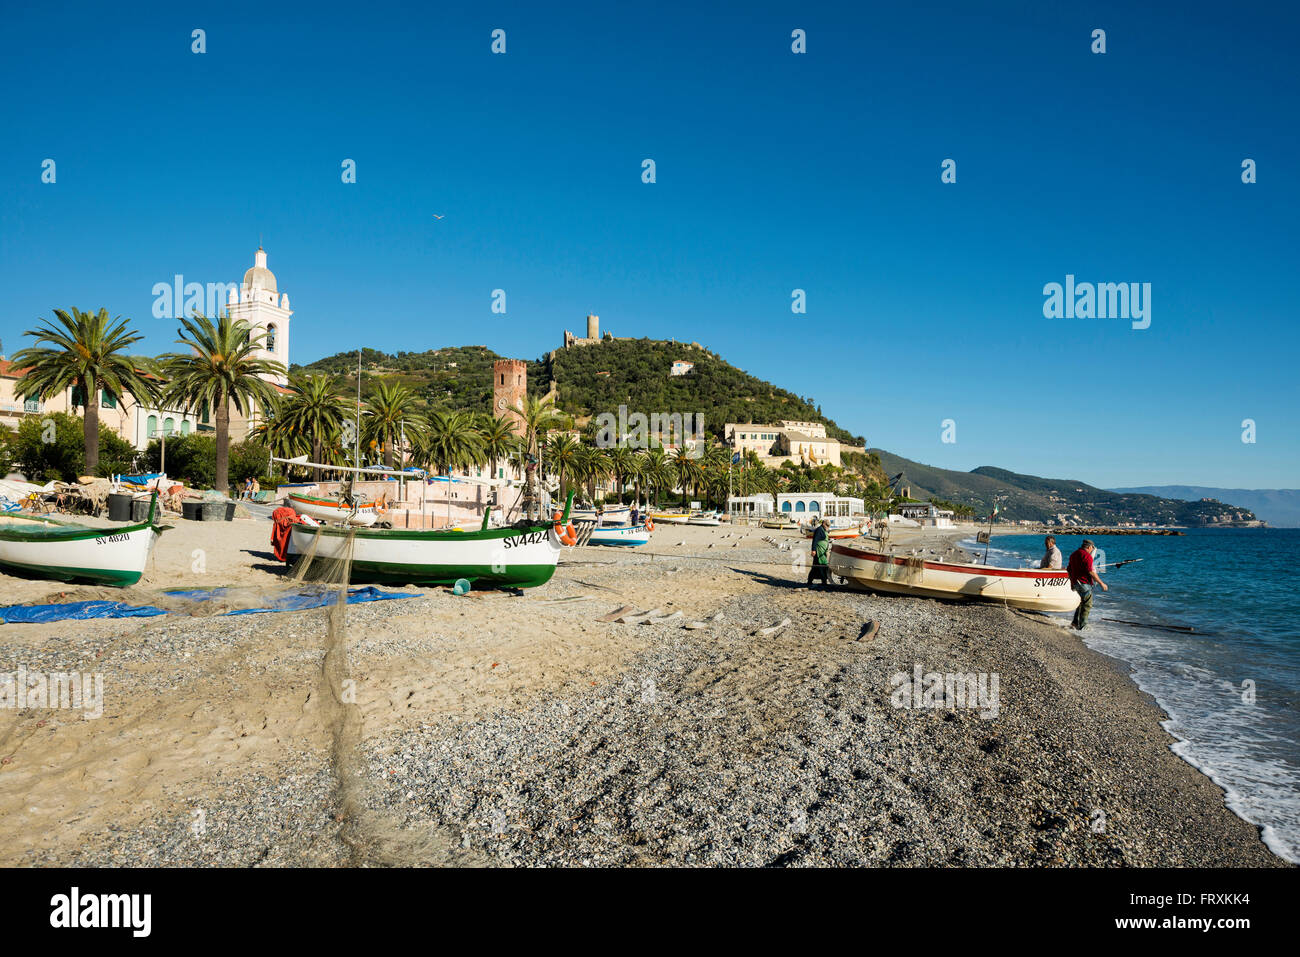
[(261, 305)]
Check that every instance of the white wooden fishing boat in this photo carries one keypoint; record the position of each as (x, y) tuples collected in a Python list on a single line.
[(779, 521), (518, 556), (703, 518), (44, 547), (836, 530), (671, 518), (610, 515), (333, 509), (1036, 589), (620, 535)]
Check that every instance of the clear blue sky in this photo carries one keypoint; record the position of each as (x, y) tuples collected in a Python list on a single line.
[(775, 171)]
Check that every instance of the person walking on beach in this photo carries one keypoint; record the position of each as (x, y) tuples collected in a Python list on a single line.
[(1083, 575), (1052, 559), (821, 554)]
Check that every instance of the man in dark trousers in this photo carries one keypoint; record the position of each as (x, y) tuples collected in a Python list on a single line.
[(1083, 575), (821, 554)]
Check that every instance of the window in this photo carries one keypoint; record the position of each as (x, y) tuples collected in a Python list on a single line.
[(106, 401), (203, 412), (185, 426), (31, 405), (151, 426), (270, 338), (798, 506), (169, 426), (78, 396)]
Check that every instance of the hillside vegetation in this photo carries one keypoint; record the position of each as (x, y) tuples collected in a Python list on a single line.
[(595, 379)]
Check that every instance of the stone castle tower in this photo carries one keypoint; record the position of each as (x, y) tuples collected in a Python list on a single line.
[(509, 386)]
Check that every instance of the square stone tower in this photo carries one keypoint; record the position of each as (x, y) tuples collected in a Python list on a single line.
[(509, 386)]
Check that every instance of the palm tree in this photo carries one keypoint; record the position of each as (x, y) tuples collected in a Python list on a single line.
[(590, 466), (221, 368), (563, 450), (451, 440), (90, 354), (625, 466), (657, 471), (499, 439), (389, 417), (314, 411), (538, 417), (688, 470)]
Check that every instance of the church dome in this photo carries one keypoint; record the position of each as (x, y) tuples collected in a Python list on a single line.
[(259, 277)]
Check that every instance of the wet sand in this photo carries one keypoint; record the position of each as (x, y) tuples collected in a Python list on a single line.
[(520, 730)]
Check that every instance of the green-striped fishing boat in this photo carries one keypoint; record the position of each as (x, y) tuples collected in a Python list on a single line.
[(42, 547), (518, 556)]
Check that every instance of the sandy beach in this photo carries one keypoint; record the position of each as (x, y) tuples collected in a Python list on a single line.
[(503, 729)]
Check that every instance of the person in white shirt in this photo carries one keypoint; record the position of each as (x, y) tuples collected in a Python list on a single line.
[(1053, 557)]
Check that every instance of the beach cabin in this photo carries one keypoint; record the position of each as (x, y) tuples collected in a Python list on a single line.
[(803, 506), (926, 514), (742, 507)]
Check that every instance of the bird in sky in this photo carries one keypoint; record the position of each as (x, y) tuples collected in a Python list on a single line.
[(436, 216)]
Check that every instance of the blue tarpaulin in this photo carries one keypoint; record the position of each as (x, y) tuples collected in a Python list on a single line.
[(290, 601), (27, 614)]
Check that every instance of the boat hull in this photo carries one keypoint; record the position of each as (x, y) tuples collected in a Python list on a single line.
[(494, 558), (114, 556), (615, 516), (1033, 589), (670, 518), (628, 535), (331, 510)]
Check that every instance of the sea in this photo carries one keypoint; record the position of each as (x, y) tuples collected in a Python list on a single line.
[(1230, 685)]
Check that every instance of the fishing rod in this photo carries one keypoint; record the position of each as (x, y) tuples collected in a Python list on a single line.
[(1127, 561)]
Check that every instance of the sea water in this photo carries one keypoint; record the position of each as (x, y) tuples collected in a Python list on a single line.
[(1231, 688)]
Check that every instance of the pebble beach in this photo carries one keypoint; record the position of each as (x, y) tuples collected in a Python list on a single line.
[(748, 721)]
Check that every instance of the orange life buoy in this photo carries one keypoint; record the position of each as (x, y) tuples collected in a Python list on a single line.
[(649, 524)]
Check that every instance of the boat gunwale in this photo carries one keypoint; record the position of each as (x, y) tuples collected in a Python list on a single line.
[(845, 548)]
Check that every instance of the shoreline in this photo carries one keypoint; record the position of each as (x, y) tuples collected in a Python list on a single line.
[(497, 729)]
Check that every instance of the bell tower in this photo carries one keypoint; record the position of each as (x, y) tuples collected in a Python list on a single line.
[(260, 304), (509, 386)]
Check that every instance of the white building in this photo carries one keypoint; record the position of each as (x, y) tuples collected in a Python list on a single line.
[(750, 506), (681, 367), (805, 505), (926, 513)]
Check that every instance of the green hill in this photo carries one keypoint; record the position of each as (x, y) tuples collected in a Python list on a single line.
[(1043, 500), (593, 379)]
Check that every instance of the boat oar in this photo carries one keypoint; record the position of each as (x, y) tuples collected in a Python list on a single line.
[(1181, 629), (1127, 561)]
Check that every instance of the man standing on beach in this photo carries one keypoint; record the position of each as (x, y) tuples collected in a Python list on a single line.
[(1053, 557), (1082, 577), (821, 548)]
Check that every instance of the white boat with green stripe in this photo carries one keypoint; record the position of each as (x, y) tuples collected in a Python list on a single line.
[(42, 547), (517, 556)]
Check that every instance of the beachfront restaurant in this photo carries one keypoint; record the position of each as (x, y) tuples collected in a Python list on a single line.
[(802, 506), (741, 507)]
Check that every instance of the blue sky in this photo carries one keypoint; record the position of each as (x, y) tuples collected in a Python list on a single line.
[(775, 171)]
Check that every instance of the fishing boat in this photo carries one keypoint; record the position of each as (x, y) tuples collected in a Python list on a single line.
[(779, 521), (45, 547), (611, 515), (671, 518), (834, 530), (703, 518), (523, 555), (620, 535), (1035, 589), (333, 509)]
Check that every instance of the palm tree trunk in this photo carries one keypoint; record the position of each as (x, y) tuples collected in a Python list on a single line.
[(90, 425), (315, 456), (222, 484)]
